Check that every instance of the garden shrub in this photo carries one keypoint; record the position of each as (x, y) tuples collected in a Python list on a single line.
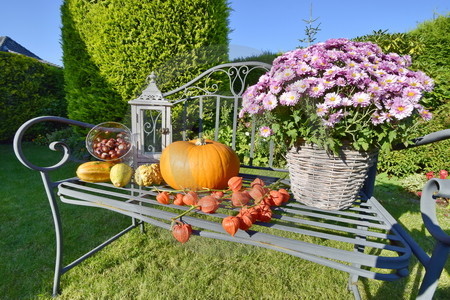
[(29, 88), (68, 135), (267, 57), (435, 57), (110, 47), (423, 159), (400, 43), (429, 47), (414, 183)]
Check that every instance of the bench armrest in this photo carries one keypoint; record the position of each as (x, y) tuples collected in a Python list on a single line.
[(426, 139), (433, 189), (434, 266), (55, 146)]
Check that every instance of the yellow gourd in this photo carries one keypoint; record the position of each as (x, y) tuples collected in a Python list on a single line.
[(95, 171)]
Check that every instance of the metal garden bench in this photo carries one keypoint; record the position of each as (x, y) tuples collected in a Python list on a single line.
[(371, 243)]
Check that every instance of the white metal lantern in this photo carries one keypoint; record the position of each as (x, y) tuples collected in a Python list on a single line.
[(150, 123)]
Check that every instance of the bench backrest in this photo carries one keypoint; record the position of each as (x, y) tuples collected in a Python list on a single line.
[(208, 106)]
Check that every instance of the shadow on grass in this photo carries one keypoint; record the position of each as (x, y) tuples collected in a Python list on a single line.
[(405, 208), (27, 240)]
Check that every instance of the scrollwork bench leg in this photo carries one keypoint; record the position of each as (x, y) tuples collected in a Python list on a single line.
[(433, 271), (433, 189), (58, 232)]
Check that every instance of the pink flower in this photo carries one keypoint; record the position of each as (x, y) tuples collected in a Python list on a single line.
[(334, 118), (430, 175), (377, 118), (251, 92), (361, 99), (275, 87), (322, 109), (253, 109), (264, 79), (265, 131), (299, 86), (346, 101), (328, 83), (427, 82), (289, 98), (287, 74), (412, 94), (319, 62), (374, 88), (443, 174), (340, 81), (332, 99), (329, 73), (303, 68), (401, 109), (270, 102), (387, 117), (425, 114), (413, 82), (317, 90), (389, 79), (354, 75)]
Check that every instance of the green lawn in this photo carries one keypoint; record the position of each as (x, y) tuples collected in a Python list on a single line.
[(152, 265)]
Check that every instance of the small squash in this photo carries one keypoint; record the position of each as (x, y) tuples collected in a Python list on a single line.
[(148, 174), (121, 174), (198, 164), (95, 171)]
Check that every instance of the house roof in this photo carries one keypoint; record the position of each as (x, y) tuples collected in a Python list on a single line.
[(9, 45)]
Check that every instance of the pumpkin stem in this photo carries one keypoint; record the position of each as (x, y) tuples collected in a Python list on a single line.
[(200, 142)]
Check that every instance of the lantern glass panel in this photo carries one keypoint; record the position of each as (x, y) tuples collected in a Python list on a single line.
[(152, 128)]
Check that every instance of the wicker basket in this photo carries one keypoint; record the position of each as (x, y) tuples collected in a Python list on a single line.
[(323, 180)]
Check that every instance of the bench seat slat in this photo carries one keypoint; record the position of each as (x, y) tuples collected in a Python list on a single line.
[(141, 204)]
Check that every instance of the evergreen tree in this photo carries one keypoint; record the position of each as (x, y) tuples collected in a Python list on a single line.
[(111, 46)]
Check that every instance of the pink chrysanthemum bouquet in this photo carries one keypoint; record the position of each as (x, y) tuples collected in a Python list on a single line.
[(337, 93)]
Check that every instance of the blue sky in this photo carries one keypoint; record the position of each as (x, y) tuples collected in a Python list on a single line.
[(257, 25)]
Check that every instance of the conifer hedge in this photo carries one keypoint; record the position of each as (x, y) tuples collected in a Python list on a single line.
[(29, 88), (435, 58), (111, 46), (429, 47)]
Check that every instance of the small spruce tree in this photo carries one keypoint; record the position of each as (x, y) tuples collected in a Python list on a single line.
[(310, 30)]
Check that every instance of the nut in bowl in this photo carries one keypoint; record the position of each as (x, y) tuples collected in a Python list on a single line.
[(109, 141)]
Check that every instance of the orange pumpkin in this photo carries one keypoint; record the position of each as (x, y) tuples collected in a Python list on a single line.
[(198, 164)]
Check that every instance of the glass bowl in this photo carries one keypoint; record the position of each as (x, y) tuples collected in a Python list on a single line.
[(109, 141)]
